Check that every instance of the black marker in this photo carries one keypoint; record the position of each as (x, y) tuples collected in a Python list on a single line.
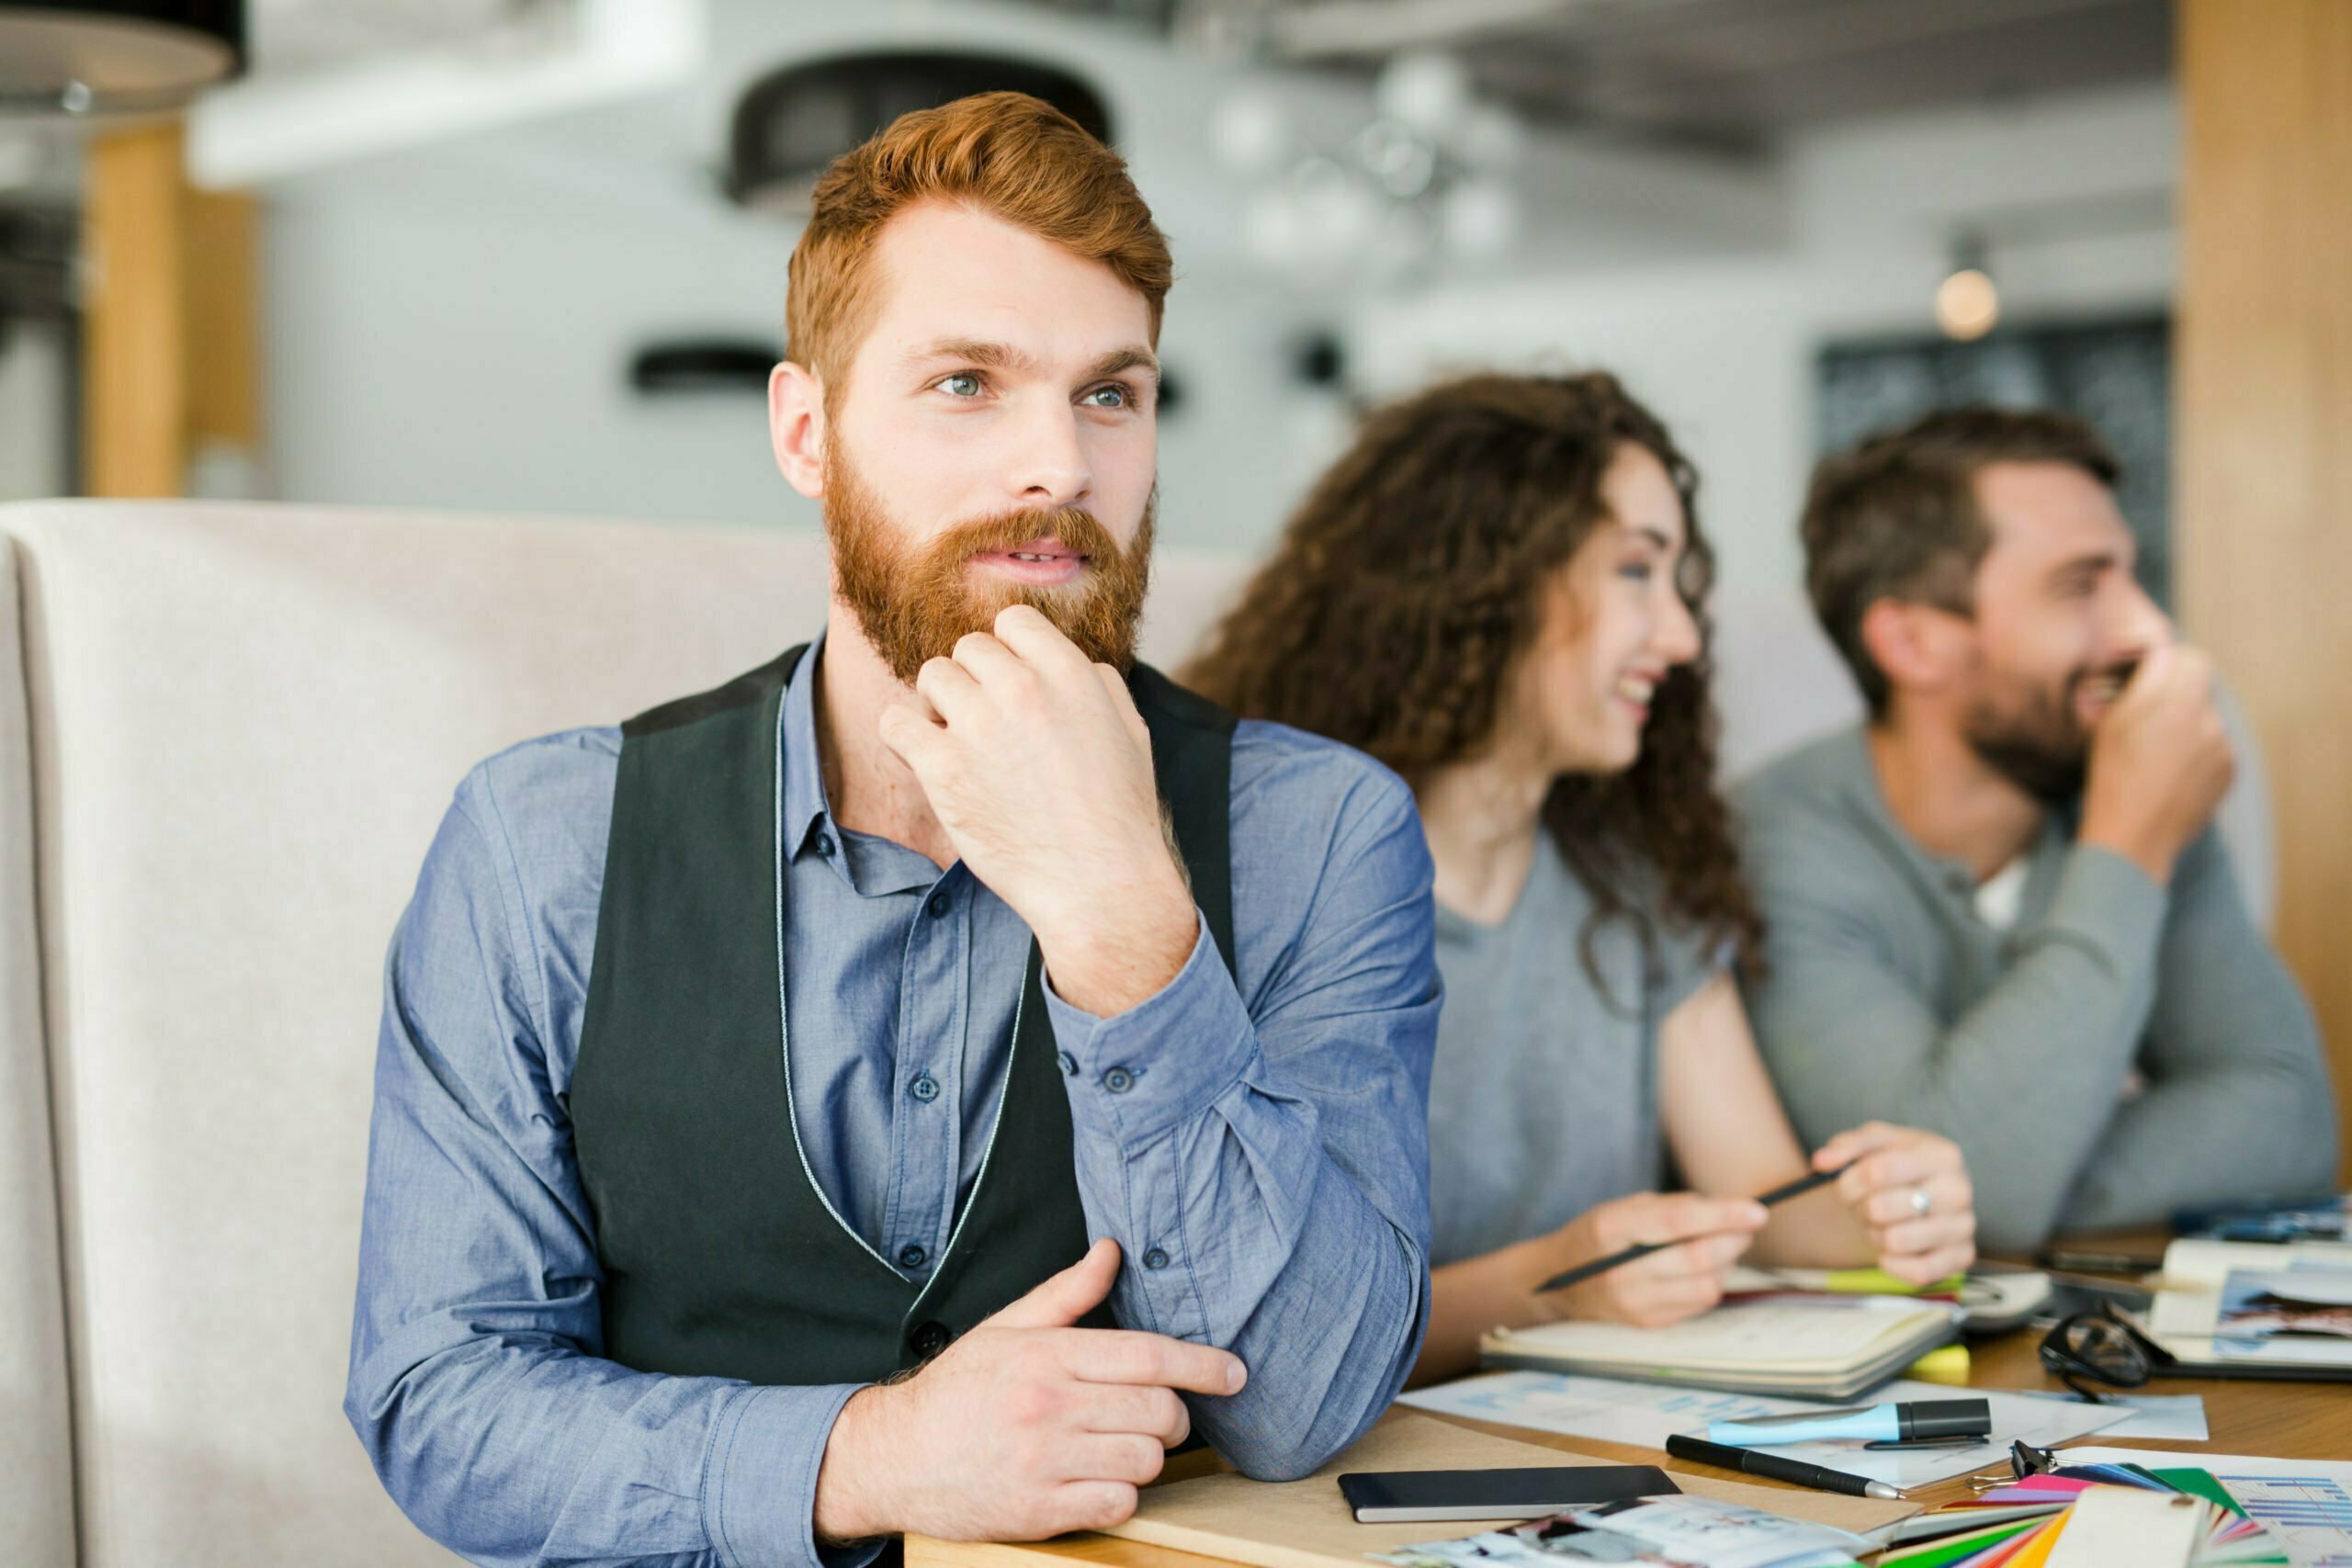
[(1781, 1194), (1771, 1467)]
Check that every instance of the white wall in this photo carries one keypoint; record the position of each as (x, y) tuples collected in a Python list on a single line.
[(451, 326), (32, 410)]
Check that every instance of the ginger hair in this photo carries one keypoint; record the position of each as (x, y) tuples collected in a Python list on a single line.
[(1008, 155)]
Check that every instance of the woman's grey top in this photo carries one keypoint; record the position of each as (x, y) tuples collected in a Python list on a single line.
[(1544, 1096)]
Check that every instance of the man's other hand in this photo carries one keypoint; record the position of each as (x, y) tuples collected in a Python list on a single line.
[(1026, 1428)]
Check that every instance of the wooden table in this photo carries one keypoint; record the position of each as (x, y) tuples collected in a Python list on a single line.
[(2286, 1420)]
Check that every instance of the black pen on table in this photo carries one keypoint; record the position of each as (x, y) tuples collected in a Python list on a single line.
[(1781, 1194), (1773, 1466)]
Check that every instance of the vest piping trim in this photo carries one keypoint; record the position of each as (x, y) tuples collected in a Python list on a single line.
[(988, 1152), (784, 1012), (792, 1109)]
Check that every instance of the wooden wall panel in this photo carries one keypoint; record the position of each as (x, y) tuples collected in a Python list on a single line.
[(2264, 508), (170, 347)]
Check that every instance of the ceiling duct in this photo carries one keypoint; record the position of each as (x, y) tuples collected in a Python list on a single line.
[(79, 57), (564, 55), (794, 122)]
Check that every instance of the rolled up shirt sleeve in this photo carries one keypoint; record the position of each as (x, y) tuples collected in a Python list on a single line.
[(476, 1381), (1264, 1163)]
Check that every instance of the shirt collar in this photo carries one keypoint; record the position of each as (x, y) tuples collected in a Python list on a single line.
[(806, 810)]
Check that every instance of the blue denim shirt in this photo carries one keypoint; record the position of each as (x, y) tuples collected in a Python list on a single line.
[(1264, 1171)]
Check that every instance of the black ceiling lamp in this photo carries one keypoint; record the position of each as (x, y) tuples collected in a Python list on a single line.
[(793, 122), (89, 57)]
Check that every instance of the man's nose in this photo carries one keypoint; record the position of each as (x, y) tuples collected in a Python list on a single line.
[(2139, 625), (1049, 466)]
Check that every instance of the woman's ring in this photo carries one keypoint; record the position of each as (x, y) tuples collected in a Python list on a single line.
[(1920, 1201)]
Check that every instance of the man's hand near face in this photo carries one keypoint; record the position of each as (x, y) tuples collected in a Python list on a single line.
[(1026, 1428), (1038, 767), (2160, 762)]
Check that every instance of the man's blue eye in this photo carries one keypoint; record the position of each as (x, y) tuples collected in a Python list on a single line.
[(955, 386), (1119, 393)]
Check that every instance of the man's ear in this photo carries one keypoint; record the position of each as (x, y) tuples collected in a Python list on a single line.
[(1918, 646), (796, 426)]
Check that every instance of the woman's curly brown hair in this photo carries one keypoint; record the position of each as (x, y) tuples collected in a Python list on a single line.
[(1412, 580)]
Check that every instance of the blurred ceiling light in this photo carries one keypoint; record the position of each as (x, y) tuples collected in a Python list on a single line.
[(90, 57), (791, 123), (1424, 181), (1967, 304)]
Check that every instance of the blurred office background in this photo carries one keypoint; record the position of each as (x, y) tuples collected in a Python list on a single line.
[(528, 255)]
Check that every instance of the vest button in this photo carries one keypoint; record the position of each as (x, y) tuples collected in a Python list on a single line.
[(1118, 1080), (1068, 1064), (1155, 1258), (925, 1088), (911, 1255), (930, 1339)]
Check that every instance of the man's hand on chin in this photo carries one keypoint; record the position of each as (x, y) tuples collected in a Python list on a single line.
[(1039, 767)]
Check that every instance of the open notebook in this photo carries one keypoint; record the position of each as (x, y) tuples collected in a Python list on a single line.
[(1809, 1349)]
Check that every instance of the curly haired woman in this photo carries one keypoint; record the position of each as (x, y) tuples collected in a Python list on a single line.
[(1500, 592)]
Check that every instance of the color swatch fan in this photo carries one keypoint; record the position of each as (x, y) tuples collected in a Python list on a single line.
[(2100, 1516)]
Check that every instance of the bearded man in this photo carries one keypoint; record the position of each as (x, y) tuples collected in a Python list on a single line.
[(916, 1084), (1999, 909)]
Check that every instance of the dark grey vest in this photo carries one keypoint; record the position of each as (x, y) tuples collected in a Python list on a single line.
[(720, 1256)]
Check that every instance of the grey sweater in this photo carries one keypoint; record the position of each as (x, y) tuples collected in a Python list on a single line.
[(1888, 996)]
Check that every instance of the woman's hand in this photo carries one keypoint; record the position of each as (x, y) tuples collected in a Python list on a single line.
[(1676, 1282), (1910, 1190)]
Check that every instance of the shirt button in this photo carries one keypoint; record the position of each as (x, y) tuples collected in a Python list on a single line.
[(1068, 1064), (1118, 1080), (911, 1255), (825, 845), (938, 905), (929, 1339), (925, 1088), (1155, 1258)]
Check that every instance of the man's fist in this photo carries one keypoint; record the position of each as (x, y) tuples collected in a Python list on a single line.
[(2160, 762), (1039, 768), (1026, 1428)]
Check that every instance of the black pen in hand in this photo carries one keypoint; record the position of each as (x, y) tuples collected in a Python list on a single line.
[(1773, 1466), (1583, 1271)]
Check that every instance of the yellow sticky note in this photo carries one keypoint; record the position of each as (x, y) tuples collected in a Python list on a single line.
[(1878, 1283), (1949, 1365)]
